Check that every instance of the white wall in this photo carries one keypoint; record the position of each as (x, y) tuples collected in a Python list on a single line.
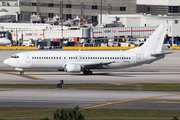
[(137, 20), (159, 2)]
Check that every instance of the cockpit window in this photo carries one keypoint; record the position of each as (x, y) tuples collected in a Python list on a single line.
[(14, 56)]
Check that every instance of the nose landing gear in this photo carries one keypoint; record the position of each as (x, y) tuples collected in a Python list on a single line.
[(21, 73)]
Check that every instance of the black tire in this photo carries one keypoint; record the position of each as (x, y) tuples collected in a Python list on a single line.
[(85, 72), (21, 73), (90, 72)]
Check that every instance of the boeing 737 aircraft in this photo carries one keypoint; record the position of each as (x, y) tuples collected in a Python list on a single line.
[(77, 61)]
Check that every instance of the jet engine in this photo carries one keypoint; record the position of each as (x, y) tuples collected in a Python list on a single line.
[(72, 68)]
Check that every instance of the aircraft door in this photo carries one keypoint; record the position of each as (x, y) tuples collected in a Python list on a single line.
[(27, 58), (138, 58)]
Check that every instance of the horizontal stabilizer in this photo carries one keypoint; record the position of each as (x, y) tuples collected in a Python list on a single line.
[(160, 54)]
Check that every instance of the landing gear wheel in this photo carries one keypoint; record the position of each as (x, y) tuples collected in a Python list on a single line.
[(85, 72), (89, 72), (21, 73)]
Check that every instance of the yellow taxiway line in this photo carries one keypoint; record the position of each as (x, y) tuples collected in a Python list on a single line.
[(139, 81), (15, 82), (6, 90), (129, 101), (170, 102), (26, 76)]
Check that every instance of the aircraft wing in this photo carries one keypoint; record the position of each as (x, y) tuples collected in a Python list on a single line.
[(161, 54), (94, 65)]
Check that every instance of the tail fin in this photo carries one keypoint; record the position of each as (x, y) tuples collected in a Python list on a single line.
[(155, 41)]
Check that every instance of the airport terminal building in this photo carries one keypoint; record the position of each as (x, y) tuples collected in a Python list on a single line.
[(86, 9), (89, 9)]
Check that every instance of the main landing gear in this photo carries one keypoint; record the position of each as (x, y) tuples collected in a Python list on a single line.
[(87, 72), (21, 73)]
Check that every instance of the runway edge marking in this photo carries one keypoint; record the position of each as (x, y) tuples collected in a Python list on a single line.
[(129, 101)]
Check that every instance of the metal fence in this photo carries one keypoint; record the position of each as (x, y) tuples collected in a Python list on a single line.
[(90, 118)]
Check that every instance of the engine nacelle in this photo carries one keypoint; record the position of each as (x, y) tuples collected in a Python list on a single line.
[(72, 68)]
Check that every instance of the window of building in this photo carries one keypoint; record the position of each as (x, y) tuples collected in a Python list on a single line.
[(33, 4), (68, 6), (122, 8), (174, 9), (68, 16), (50, 15), (94, 19), (94, 7), (148, 8), (176, 21), (50, 5)]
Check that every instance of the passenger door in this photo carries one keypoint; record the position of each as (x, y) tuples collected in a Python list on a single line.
[(27, 58), (138, 58)]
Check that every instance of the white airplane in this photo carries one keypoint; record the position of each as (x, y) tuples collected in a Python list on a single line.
[(5, 41), (77, 61)]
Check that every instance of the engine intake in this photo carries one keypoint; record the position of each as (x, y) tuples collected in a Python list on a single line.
[(72, 68)]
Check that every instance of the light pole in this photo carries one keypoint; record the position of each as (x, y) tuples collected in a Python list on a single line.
[(62, 15), (101, 13)]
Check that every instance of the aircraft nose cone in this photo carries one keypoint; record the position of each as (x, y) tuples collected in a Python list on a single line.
[(6, 62)]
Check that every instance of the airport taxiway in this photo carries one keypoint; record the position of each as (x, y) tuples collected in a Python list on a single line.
[(97, 77), (166, 70), (87, 99)]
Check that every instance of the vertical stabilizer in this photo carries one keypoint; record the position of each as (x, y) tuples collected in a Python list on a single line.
[(155, 42)]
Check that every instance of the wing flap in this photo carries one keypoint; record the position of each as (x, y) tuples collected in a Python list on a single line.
[(93, 65)]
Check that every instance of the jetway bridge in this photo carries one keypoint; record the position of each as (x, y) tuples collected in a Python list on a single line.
[(33, 34)]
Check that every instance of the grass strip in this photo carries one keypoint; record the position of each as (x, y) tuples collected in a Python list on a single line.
[(98, 86), (48, 112), (26, 76), (29, 86), (134, 87)]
